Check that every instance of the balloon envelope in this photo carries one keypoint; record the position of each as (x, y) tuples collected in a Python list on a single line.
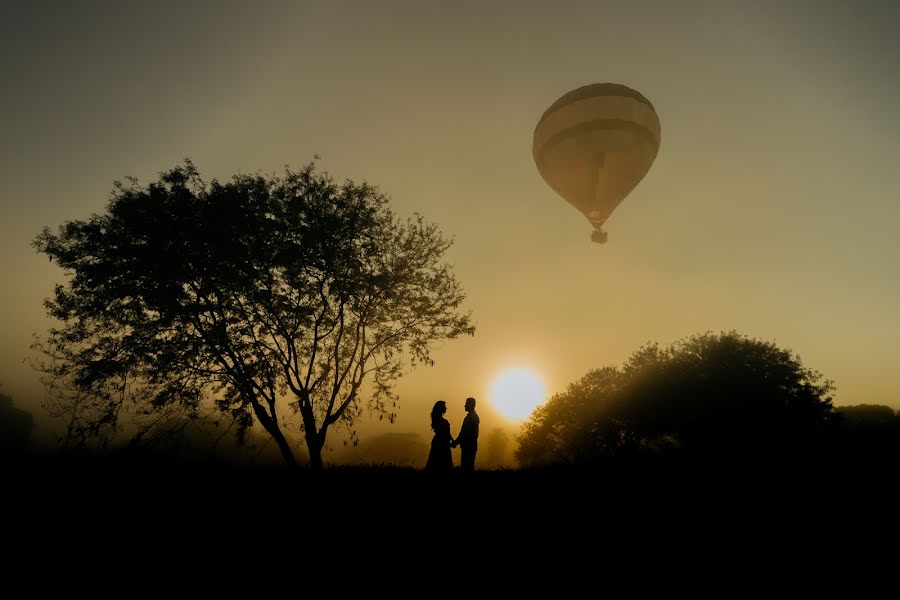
[(594, 145)]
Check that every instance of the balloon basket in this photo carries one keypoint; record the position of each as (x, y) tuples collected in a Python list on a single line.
[(598, 237)]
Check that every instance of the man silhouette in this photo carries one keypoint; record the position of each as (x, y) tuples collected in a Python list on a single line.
[(468, 437)]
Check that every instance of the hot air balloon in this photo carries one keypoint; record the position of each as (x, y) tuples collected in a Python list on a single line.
[(594, 145)]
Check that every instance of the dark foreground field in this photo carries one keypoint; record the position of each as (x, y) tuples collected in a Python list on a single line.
[(609, 496), (155, 518)]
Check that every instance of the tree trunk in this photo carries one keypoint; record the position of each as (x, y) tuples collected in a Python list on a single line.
[(272, 427), (314, 443), (285, 448), (315, 439)]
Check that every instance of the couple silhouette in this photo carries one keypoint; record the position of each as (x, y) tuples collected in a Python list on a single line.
[(440, 459)]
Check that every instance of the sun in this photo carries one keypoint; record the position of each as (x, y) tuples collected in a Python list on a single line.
[(516, 393)]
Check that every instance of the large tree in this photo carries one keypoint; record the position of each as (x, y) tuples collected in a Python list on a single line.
[(284, 299), (710, 395)]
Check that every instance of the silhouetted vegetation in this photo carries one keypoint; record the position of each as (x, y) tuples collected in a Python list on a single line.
[(866, 433), (291, 300), (203, 440), (867, 417), (711, 396), (15, 427), (387, 449)]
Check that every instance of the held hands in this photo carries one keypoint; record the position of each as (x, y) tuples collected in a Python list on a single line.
[(454, 443)]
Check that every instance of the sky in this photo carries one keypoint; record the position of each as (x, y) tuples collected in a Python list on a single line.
[(772, 206)]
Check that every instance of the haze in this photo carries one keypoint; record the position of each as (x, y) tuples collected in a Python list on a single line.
[(771, 207)]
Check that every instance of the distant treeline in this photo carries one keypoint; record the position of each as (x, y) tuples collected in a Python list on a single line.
[(709, 398)]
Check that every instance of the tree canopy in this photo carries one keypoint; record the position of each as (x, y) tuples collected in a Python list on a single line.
[(710, 394), (290, 300)]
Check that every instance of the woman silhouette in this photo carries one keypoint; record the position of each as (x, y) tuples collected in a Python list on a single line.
[(440, 460)]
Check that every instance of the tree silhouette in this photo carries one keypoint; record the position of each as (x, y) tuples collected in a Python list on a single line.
[(15, 426), (561, 430), (709, 395), (282, 299)]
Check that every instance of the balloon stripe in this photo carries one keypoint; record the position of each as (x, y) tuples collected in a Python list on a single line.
[(589, 109), (592, 91), (590, 126)]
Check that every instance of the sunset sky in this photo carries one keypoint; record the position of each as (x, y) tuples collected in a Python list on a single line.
[(772, 207)]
